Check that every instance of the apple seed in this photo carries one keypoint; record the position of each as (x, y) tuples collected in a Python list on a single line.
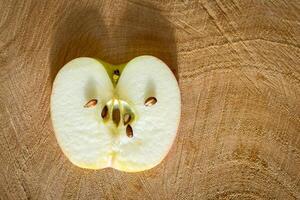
[(104, 112), (150, 101), (116, 116), (91, 103), (129, 131), (126, 118)]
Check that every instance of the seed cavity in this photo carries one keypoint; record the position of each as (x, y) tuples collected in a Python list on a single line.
[(116, 117), (126, 118), (91, 103), (129, 131), (104, 112), (150, 101)]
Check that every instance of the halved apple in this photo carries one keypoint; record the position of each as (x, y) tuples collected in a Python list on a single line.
[(125, 117)]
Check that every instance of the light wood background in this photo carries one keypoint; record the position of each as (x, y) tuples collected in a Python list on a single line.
[(238, 67)]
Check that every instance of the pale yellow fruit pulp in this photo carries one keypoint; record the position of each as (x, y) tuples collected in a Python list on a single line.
[(92, 142)]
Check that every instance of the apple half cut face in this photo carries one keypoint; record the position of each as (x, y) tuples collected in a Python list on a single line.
[(125, 117)]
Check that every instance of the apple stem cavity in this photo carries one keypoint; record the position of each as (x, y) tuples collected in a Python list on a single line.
[(117, 72), (91, 103), (150, 101), (116, 76)]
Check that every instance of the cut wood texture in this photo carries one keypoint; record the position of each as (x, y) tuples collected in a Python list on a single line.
[(238, 67)]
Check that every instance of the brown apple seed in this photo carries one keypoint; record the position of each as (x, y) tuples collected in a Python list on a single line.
[(91, 103), (126, 118), (150, 101), (104, 112), (129, 131), (116, 116)]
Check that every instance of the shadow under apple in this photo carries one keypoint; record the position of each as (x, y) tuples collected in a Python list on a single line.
[(143, 30), (81, 34), (140, 30)]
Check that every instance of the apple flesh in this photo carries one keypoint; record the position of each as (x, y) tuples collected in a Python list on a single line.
[(121, 128)]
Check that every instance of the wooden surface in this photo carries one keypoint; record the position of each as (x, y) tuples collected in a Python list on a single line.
[(238, 66)]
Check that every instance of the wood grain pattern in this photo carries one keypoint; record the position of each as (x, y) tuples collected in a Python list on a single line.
[(238, 66)]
